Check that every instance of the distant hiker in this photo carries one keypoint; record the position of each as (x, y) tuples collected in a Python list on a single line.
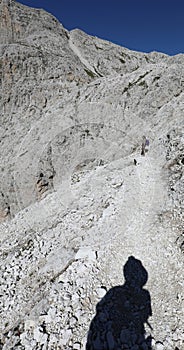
[(135, 162), (143, 146), (145, 142)]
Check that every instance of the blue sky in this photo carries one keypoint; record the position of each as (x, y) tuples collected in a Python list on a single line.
[(141, 25)]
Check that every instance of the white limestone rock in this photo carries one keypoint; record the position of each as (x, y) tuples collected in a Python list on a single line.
[(73, 205), (159, 346), (86, 253)]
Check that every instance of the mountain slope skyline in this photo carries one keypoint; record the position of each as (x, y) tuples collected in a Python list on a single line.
[(141, 26)]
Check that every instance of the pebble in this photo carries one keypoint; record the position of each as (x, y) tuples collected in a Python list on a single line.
[(65, 336), (85, 253), (101, 292), (29, 325), (159, 346)]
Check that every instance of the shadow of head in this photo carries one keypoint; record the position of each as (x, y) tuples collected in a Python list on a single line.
[(135, 274)]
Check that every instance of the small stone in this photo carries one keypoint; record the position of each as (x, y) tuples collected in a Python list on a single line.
[(73, 321), (29, 325), (66, 334), (168, 341), (101, 292), (175, 337), (85, 252), (40, 337), (117, 185), (159, 346)]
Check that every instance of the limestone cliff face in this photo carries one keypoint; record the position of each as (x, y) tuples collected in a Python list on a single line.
[(43, 67), (24, 25), (77, 198)]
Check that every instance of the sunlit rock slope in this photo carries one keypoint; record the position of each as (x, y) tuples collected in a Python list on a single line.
[(77, 198)]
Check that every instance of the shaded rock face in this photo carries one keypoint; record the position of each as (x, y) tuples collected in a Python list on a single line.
[(73, 205)]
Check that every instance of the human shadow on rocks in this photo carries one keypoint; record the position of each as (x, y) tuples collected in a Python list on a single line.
[(122, 313)]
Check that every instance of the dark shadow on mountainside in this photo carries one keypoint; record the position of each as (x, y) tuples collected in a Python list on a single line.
[(122, 313)]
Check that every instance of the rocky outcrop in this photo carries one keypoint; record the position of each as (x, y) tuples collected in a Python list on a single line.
[(77, 198), (5, 208)]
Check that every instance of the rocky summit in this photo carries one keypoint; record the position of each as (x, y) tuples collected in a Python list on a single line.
[(91, 190)]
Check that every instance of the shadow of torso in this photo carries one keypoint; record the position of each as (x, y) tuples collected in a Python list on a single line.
[(119, 320)]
